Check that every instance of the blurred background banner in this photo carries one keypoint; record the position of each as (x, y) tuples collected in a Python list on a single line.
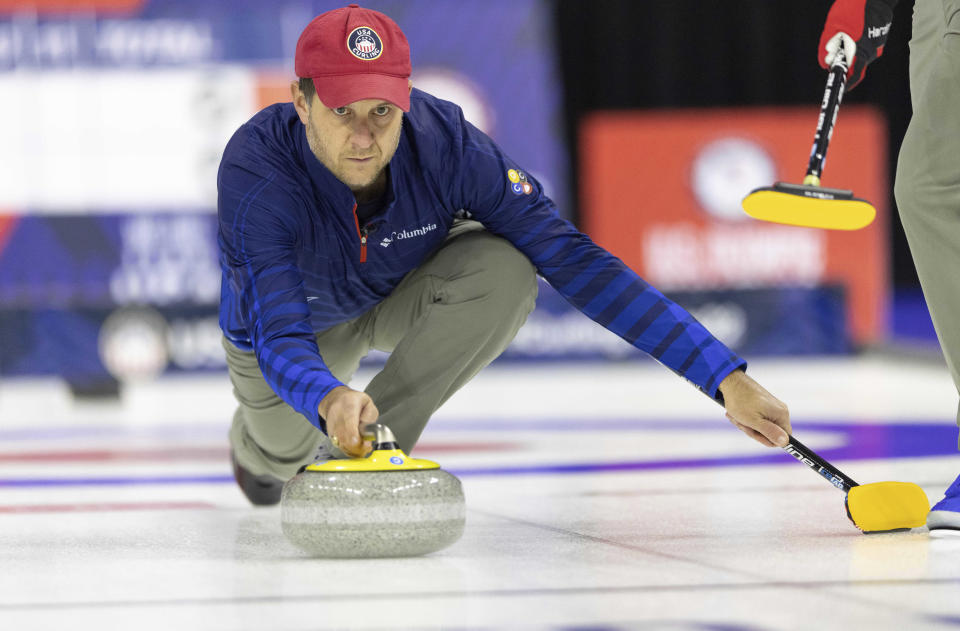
[(645, 121), (662, 190)]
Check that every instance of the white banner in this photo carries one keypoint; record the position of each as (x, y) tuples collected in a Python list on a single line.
[(117, 140)]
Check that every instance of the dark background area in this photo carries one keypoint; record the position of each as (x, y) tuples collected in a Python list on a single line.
[(628, 54)]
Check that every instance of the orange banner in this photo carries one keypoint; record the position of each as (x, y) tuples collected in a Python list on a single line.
[(273, 87), (662, 191)]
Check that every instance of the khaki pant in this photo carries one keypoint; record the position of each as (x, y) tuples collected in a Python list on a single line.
[(928, 171), (445, 321)]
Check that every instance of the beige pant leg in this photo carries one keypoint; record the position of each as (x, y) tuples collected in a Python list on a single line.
[(928, 170)]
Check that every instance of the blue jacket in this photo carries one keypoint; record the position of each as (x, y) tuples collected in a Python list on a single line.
[(295, 259)]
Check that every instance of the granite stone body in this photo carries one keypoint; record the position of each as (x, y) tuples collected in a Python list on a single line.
[(362, 514)]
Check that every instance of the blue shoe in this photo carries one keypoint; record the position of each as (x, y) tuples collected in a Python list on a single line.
[(944, 517)]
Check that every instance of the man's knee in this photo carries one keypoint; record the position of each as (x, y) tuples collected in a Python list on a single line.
[(497, 272)]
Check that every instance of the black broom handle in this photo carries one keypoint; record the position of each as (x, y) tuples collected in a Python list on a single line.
[(829, 107), (805, 455)]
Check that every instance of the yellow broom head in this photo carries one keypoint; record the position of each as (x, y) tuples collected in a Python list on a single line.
[(809, 206), (886, 506)]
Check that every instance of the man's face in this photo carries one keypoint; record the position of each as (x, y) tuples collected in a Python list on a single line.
[(354, 142)]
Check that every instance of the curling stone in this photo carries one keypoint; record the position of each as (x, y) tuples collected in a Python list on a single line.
[(384, 505)]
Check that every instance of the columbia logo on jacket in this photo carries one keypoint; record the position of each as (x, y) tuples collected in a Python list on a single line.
[(405, 234)]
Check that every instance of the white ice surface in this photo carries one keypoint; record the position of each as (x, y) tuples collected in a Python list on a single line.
[(699, 547)]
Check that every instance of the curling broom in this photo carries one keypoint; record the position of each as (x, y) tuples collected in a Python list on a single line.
[(875, 507), (809, 204)]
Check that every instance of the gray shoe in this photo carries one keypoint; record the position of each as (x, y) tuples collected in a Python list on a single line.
[(261, 490)]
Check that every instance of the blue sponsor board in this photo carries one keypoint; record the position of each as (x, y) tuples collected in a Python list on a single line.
[(109, 260)]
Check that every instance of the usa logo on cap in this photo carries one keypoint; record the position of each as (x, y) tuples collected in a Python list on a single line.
[(364, 43)]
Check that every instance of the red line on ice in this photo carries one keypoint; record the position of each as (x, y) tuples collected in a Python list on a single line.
[(114, 506), (174, 454)]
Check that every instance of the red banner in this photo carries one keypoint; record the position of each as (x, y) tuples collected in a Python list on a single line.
[(662, 191)]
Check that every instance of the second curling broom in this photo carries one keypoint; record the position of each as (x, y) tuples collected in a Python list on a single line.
[(809, 204)]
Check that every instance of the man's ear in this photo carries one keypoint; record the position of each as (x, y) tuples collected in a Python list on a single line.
[(299, 102)]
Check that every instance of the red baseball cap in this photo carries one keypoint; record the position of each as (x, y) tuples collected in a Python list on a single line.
[(354, 54)]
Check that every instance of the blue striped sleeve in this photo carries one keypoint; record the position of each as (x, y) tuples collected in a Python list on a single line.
[(593, 280), (263, 288)]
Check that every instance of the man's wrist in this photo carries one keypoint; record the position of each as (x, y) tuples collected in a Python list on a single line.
[(325, 402), (735, 377)]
